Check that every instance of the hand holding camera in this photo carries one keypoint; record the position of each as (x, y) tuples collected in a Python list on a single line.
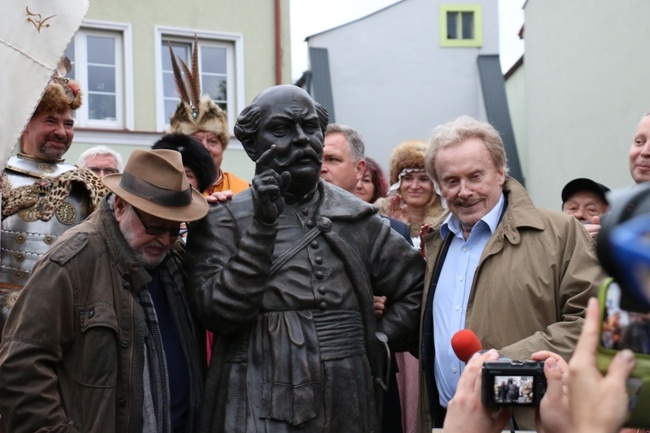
[(467, 411), (513, 383), (505, 382)]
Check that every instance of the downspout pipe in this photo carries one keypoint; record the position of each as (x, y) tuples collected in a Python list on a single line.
[(278, 43)]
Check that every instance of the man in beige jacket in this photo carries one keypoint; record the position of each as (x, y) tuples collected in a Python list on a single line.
[(516, 275)]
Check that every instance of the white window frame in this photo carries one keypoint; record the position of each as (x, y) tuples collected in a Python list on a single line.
[(124, 113), (234, 43)]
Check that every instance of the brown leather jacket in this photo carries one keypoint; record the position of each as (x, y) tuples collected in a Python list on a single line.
[(72, 350)]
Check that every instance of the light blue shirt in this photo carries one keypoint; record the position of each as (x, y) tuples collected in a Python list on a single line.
[(452, 294)]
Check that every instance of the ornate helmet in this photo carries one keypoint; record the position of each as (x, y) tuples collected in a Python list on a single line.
[(61, 93), (195, 112)]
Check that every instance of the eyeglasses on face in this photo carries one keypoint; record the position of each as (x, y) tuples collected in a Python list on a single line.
[(154, 230), (105, 170)]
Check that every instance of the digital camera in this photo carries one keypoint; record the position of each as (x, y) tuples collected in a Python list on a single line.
[(513, 383)]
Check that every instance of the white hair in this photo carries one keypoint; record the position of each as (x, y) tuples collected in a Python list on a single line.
[(100, 150)]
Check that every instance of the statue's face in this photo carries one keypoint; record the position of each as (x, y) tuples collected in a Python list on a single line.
[(289, 121)]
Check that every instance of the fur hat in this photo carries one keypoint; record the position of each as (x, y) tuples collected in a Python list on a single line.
[(408, 154), (154, 181), (195, 112), (61, 94), (195, 157)]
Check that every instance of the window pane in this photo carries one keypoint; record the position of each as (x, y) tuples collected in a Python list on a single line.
[(182, 52), (101, 50), (101, 107), (101, 79), (215, 86), (213, 60), (170, 107), (452, 27), (169, 86), (468, 25)]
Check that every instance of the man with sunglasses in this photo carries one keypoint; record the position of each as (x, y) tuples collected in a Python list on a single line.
[(102, 338)]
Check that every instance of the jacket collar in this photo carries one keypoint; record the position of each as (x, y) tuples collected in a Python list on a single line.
[(338, 204), (520, 212)]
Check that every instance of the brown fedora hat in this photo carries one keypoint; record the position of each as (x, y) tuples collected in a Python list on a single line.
[(154, 181)]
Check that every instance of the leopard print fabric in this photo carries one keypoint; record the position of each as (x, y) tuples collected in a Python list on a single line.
[(50, 192)]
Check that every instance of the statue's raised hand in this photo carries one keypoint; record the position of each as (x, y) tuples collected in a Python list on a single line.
[(268, 189)]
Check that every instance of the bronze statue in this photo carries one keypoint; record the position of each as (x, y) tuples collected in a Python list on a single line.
[(284, 275)]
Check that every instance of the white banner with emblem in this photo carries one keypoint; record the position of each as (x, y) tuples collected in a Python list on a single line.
[(33, 37)]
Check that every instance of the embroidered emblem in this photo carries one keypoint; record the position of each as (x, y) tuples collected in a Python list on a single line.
[(66, 213), (37, 19)]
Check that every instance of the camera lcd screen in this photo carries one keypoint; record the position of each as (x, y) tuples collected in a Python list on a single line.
[(621, 329), (514, 389)]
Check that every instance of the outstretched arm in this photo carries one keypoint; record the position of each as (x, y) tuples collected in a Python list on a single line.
[(598, 403)]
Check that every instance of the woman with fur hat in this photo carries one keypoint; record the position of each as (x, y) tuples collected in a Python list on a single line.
[(413, 200), (411, 197)]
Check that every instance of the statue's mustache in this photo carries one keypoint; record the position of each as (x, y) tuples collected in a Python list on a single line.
[(298, 155)]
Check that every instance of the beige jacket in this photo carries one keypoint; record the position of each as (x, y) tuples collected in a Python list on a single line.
[(530, 289)]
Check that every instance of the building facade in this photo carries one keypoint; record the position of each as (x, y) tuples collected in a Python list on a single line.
[(399, 72), (579, 93), (121, 57)]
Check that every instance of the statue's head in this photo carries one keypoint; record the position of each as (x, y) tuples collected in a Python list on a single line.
[(287, 117)]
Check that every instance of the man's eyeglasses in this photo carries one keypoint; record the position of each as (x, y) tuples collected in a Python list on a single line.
[(157, 230), (105, 170)]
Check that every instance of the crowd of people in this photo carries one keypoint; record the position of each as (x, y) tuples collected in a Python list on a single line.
[(319, 297)]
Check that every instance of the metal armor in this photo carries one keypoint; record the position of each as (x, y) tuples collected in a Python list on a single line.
[(25, 235)]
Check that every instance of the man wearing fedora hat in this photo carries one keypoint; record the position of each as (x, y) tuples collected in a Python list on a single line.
[(101, 339), (284, 275)]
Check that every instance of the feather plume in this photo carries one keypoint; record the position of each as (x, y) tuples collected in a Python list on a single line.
[(178, 78), (191, 85), (196, 77)]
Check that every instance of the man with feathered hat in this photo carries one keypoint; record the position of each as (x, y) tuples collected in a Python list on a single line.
[(201, 118), (41, 196)]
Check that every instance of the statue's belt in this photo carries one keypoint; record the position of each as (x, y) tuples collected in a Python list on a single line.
[(296, 343)]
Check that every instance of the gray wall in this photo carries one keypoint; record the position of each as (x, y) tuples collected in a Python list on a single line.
[(586, 87), (392, 81)]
